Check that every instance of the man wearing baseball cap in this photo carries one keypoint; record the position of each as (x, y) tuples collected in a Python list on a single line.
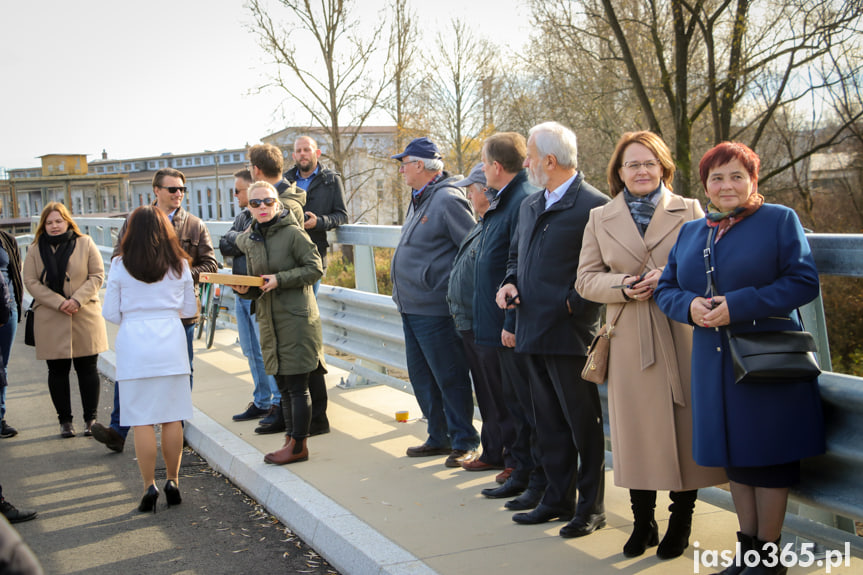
[(438, 219)]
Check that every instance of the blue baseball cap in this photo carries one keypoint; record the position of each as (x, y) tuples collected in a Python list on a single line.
[(420, 148), (477, 176)]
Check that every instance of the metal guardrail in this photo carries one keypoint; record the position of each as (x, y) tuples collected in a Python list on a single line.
[(368, 327)]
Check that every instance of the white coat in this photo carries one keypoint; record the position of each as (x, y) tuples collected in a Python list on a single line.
[(151, 341)]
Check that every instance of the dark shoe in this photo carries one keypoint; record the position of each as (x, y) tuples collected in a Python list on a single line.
[(767, 554), (504, 475), (172, 493), (455, 457), (507, 490), (252, 412), (426, 450), (676, 538), (542, 514), (88, 429), (15, 515), (747, 543), (527, 500), (295, 450), (66, 430), (645, 532), (107, 435), (581, 526), (148, 501), (271, 416), (6, 430), (477, 464)]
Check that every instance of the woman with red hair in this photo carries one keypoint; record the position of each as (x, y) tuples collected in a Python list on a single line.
[(762, 271)]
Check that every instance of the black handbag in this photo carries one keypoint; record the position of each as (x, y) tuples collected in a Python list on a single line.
[(29, 335), (767, 355), (773, 355)]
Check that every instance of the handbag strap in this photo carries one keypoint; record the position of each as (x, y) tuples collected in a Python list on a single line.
[(620, 309), (711, 290)]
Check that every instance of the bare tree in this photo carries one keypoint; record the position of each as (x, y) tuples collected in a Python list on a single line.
[(462, 94), (405, 81), (711, 70), (329, 78)]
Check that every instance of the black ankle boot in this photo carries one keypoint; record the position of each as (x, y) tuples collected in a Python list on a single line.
[(645, 532), (676, 538), (768, 551), (747, 543)]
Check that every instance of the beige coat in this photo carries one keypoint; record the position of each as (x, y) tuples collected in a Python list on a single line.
[(650, 355), (59, 336)]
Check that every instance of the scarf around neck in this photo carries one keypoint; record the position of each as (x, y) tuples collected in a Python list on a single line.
[(642, 207), (724, 221), (56, 260)]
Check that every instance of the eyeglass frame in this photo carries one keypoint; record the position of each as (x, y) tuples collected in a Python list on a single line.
[(268, 201), (174, 189), (648, 165)]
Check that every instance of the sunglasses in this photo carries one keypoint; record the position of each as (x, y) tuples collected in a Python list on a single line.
[(174, 189), (256, 203)]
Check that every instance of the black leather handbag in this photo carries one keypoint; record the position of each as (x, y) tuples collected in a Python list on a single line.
[(773, 355), (767, 355), (29, 334)]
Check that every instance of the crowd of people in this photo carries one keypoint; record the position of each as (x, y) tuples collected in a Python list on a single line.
[(500, 278)]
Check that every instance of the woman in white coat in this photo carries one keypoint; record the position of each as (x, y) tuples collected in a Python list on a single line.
[(149, 289)]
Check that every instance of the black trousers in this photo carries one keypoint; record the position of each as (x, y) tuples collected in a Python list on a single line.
[(88, 386), (296, 404), (525, 450), (498, 430), (569, 426)]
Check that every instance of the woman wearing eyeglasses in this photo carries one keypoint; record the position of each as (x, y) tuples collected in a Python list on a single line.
[(278, 250), (625, 248), (63, 271)]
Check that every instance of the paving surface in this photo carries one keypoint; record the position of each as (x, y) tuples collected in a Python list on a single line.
[(358, 501)]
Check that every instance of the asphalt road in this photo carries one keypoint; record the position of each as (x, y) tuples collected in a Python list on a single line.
[(87, 500)]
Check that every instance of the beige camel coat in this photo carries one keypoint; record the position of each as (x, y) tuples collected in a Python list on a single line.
[(650, 355), (59, 336)]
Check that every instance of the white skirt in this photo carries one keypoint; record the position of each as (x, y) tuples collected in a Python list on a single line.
[(155, 400)]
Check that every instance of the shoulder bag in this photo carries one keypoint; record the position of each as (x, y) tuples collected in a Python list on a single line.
[(767, 355), (596, 367), (29, 334)]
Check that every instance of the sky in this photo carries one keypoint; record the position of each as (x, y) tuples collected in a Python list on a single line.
[(161, 76)]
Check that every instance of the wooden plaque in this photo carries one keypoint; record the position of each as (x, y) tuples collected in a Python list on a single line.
[(231, 279)]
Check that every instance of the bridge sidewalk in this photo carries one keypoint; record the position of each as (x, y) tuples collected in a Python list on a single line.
[(367, 508)]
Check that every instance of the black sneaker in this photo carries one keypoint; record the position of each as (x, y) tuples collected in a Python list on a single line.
[(6, 430), (252, 412), (14, 515)]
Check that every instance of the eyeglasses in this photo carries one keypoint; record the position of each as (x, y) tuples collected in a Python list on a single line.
[(405, 164), (174, 189), (648, 165), (256, 203)]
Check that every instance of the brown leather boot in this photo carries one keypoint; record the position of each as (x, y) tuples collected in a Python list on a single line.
[(294, 450)]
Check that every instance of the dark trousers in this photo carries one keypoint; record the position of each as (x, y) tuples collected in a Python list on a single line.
[(88, 385), (525, 450), (296, 404), (569, 426), (318, 393), (498, 431)]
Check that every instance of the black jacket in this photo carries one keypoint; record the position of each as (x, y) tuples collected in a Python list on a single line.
[(543, 261), (228, 243), (326, 199)]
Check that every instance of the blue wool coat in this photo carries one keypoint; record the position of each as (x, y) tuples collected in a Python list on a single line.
[(764, 268)]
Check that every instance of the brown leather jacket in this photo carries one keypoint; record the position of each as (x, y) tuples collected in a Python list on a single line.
[(195, 239)]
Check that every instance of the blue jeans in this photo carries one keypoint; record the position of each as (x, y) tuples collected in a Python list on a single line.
[(115, 414), (250, 337), (439, 375), (7, 336)]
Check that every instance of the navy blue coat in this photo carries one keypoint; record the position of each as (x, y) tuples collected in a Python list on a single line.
[(499, 227), (764, 268), (543, 264)]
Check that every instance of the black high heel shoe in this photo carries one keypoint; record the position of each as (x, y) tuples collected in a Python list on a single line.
[(148, 502), (172, 493)]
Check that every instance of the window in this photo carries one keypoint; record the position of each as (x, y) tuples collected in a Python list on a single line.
[(237, 158), (163, 163), (197, 160), (127, 167), (151, 164)]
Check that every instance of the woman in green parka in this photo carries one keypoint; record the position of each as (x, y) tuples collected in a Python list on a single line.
[(278, 250)]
